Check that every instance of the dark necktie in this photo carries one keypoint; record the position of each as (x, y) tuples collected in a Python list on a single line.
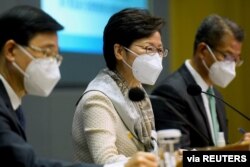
[(20, 116), (212, 107)]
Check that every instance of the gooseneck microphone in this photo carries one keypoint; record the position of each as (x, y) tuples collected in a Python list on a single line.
[(136, 94), (195, 90), (155, 98)]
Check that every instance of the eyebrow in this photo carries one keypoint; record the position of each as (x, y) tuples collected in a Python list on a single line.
[(52, 46), (47, 44), (159, 46)]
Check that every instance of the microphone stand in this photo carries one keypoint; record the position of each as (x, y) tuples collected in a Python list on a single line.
[(228, 105), (205, 138)]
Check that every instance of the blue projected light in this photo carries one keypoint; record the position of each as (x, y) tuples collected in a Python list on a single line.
[(84, 21)]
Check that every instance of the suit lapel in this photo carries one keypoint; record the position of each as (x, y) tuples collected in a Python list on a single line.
[(10, 112), (197, 100)]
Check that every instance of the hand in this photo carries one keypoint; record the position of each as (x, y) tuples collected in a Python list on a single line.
[(142, 159), (179, 154), (246, 137)]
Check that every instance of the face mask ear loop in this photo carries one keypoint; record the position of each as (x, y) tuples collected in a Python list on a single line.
[(205, 65), (131, 51), (20, 70), (26, 52), (126, 64), (211, 52)]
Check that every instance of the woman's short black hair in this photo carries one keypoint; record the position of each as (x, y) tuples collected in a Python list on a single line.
[(21, 23), (125, 27)]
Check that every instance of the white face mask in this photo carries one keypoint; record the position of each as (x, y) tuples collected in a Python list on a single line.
[(146, 68), (41, 75), (221, 72)]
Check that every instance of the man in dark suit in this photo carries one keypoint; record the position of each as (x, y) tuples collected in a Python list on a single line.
[(217, 50), (29, 64)]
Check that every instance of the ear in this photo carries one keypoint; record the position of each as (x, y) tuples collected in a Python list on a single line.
[(9, 49), (118, 51), (202, 50)]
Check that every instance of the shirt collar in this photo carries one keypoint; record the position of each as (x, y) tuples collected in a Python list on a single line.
[(14, 99), (198, 79)]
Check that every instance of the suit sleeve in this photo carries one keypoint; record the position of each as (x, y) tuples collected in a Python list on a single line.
[(165, 117), (15, 151)]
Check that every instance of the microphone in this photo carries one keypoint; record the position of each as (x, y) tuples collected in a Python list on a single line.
[(136, 94), (163, 100), (195, 90)]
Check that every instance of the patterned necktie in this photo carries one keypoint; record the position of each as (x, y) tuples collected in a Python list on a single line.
[(212, 107), (20, 116)]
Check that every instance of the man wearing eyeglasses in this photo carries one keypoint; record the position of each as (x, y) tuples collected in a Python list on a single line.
[(29, 65), (217, 52)]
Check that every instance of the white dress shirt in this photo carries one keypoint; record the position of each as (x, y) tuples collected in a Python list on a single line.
[(204, 87), (14, 99)]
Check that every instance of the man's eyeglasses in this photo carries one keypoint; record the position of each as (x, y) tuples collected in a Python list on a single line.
[(150, 50), (229, 57), (46, 52)]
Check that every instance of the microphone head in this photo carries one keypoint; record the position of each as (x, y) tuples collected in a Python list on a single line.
[(136, 94), (194, 90)]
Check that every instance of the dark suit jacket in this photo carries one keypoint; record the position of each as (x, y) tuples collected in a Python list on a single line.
[(174, 90), (14, 149)]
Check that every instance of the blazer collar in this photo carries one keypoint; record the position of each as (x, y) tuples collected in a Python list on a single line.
[(197, 100), (14, 99), (10, 111), (5, 96)]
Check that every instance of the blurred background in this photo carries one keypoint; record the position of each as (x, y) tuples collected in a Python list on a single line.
[(49, 119)]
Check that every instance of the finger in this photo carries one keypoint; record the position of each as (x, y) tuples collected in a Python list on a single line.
[(147, 162), (145, 159), (247, 137), (149, 156)]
